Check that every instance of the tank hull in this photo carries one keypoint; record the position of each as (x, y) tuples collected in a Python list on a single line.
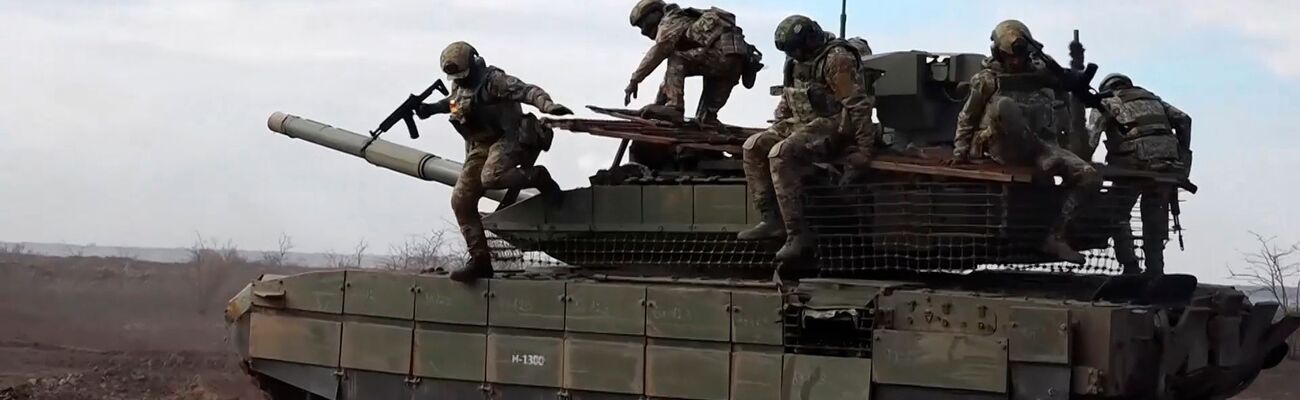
[(361, 334)]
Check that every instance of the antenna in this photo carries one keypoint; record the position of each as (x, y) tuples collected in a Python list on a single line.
[(844, 16)]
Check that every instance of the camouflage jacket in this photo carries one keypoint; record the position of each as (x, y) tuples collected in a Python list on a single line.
[(830, 85), (1033, 90), (488, 108), (1133, 113), (685, 29)]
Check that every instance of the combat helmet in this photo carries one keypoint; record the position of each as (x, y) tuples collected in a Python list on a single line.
[(798, 36), (644, 8), (1116, 79), (1011, 37), (458, 60)]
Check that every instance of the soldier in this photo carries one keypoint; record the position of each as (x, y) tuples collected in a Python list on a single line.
[(695, 42), (1144, 133), (824, 113), (1011, 117), (484, 107)]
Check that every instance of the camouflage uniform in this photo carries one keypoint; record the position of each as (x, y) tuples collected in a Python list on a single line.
[(705, 43), (1145, 133), (824, 114), (488, 115), (1012, 118), (484, 107)]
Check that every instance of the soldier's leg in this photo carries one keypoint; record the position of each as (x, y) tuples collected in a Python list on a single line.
[(1081, 181), (502, 170), (1155, 226), (670, 101), (464, 205), (1125, 252), (759, 180), (791, 160), (718, 85)]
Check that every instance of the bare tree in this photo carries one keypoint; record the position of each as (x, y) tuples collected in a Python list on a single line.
[(1270, 267), (13, 251), (420, 252), (211, 263), (350, 260), (359, 252), (280, 256)]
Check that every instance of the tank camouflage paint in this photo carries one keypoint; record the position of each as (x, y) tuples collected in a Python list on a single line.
[(923, 288)]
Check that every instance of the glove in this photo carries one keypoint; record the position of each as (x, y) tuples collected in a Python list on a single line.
[(557, 109), (426, 110), (629, 93)]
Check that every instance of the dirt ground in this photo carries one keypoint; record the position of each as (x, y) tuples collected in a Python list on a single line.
[(97, 328)]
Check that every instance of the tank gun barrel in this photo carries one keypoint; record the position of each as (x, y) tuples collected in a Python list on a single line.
[(382, 153)]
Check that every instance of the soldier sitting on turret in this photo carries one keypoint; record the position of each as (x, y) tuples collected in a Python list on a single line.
[(705, 43), (1145, 133), (824, 114), (484, 108), (1011, 117)]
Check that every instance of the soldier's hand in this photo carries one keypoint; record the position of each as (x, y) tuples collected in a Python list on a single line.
[(426, 110), (629, 93), (557, 109)]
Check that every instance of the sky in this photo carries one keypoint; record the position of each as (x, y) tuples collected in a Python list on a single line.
[(143, 122)]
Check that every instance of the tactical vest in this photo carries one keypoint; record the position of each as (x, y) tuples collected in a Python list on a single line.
[(1145, 132), (708, 25), (806, 92), (480, 117), (1036, 98)]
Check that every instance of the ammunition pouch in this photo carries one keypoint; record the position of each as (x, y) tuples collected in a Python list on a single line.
[(533, 135), (1153, 151)]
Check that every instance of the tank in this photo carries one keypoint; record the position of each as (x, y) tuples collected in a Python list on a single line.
[(926, 284)]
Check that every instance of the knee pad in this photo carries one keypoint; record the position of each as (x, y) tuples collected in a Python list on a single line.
[(778, 150)]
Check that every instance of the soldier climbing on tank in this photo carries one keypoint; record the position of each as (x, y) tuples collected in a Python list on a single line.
[(695, 42), (824, 115), (484, 107), (1144, 133), (1012, 117)]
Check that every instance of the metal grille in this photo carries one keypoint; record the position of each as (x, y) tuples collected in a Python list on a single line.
[(920, 226)]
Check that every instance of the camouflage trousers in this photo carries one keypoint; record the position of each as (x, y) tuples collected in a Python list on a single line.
[(1154, 211), (720, 72), (488, 166), (1012, 140), (777, 159)]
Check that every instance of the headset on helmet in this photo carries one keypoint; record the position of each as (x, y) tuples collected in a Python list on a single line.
[(644, 8), (458, 60), (798, 32), (1112, 80), (1011, 37)]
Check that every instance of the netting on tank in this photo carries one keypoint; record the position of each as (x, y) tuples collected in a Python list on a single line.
[(919, 226)]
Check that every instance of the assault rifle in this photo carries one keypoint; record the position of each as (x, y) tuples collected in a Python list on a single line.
[(406, 112), (1078, 83)]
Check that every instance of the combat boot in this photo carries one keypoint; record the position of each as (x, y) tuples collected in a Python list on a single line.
[(475, 267), (1056, 246), (770, 227), (1155, 260), (540, 178), (663, 113), (798, 244)]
